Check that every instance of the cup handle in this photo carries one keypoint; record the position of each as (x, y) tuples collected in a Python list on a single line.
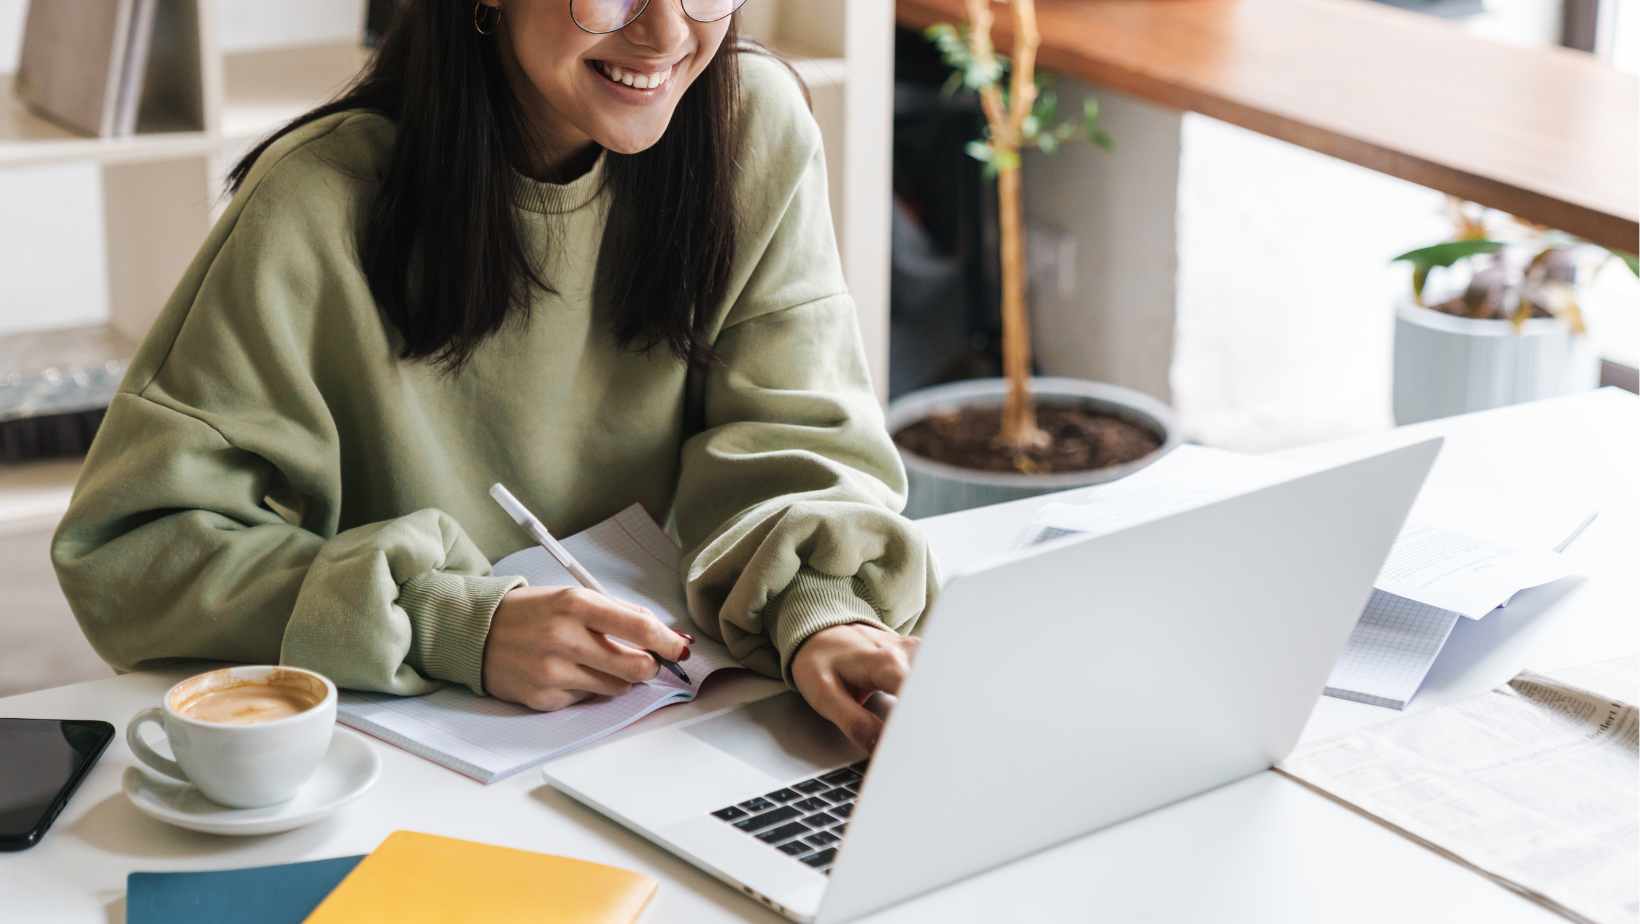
[(147, 754)]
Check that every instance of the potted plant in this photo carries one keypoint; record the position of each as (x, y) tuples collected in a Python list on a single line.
[(1493, 317), (984, 441)]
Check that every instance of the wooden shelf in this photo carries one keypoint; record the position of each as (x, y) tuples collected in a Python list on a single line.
[(1547, 134)]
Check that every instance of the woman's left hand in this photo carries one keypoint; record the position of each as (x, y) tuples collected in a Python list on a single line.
[(838, 668)]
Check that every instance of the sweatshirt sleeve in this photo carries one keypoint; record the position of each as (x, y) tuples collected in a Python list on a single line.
[(207, 519), (790, 493)]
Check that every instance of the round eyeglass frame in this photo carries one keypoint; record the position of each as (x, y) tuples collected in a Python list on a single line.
[(640, 10)]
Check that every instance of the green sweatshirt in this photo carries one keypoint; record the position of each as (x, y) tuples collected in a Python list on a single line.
[(272, 484)]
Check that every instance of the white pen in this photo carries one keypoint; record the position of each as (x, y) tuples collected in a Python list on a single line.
[(523, 517)]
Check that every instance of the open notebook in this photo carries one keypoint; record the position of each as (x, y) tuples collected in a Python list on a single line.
[(487, 739)]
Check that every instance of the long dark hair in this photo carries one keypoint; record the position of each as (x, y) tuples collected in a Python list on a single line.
[(442, 249)]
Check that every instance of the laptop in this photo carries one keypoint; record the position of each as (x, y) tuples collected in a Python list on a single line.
[(1057, 690)]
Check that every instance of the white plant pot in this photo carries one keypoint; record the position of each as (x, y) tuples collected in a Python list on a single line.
[(936, 487), (1446, 365)]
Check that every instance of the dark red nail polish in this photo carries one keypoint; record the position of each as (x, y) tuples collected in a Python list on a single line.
[(685, 655)]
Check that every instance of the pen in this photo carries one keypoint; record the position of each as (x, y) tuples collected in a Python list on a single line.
[(522, 516), (1564, 543)]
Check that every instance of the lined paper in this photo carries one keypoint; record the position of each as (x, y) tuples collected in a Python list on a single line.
[(490, 740)]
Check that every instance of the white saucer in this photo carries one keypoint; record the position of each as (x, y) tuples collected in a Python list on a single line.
[(349, 769)]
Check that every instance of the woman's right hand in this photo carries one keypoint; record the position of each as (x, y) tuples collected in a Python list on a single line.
[(550, 647)]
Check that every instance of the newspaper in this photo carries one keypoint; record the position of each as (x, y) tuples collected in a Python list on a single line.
[(1533, 784)]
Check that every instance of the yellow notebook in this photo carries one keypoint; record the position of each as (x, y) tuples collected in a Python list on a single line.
[(414, 877)]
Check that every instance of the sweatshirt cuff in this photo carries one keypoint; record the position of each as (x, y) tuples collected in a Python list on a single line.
[(450, 621), (811, 602)]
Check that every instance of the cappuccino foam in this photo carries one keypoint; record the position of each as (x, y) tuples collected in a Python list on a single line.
[(248, 703)]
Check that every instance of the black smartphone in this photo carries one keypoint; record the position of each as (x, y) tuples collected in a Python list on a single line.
[(42, 762)]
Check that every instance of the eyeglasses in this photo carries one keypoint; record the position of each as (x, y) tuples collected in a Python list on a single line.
[(601, 17)]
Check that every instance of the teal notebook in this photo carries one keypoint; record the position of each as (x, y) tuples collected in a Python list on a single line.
[(284, 894)]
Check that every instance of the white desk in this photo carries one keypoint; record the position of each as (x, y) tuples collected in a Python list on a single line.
[(1262, 849)]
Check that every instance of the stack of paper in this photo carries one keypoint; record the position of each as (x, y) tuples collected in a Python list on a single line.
[(1434, 576)]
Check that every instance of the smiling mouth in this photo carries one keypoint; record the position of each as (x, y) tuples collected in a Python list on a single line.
[(627, 77)]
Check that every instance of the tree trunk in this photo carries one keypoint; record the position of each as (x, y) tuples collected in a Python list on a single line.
[(1019, 429)]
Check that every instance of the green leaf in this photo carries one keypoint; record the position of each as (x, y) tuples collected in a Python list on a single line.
[(1629, 260), (1102, 138), (978, 76), (1046, 109), (1047, 142), (980, 151), (1420, 275), (1448, 253), (1005, 160), (951, 43), (1030, 126)]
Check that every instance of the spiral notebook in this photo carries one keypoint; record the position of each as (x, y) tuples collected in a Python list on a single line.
[(488, 739)]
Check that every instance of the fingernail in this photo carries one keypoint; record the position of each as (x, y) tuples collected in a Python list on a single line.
[(685, 655), (687, 637)]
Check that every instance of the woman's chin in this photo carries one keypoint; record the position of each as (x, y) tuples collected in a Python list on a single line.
[(629, 142)]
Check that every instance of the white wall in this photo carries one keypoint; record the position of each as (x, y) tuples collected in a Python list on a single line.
[(1285, 288), (1256, 295), (1116, 321), (51, 248), (11, 32)]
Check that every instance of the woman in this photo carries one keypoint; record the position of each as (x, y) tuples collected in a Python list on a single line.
[(581, 247)]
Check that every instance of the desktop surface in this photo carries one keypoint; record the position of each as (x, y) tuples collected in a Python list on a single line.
[(1261, 849)]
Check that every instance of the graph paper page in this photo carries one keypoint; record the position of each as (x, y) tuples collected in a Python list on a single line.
[(1390, 651)]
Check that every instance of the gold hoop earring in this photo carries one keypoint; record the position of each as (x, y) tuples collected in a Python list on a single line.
[(481, 18)]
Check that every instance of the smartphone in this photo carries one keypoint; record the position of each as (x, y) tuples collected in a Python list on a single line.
[(42, 762)]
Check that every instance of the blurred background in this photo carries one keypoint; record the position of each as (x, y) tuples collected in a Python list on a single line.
[(1227, 256)]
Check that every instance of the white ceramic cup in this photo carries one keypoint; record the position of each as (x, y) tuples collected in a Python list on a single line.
[(246, 764)]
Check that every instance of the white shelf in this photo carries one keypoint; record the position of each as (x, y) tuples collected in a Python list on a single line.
[(34, 495), (158, 189), (262, 90), (27, 138), (817, 70)]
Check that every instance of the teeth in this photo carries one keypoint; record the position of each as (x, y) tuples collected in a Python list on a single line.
[(632, 78)]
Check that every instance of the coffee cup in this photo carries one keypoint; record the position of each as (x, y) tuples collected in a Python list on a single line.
[(247, 736)]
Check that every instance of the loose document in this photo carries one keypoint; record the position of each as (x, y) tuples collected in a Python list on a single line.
[(1434, 575), (1533, 784)]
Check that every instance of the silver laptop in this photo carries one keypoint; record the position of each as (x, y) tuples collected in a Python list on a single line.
[(1057, 690)]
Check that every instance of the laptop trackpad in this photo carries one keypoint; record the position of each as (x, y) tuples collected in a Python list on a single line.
[(780, 735)]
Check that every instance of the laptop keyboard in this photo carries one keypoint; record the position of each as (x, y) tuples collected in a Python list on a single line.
[(804, 821)]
